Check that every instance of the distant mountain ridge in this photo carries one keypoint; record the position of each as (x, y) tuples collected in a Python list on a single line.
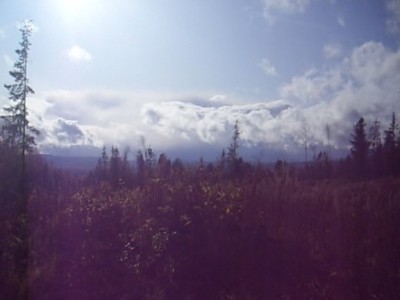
[(78, 164)]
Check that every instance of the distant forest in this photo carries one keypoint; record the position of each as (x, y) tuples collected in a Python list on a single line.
[(230, 229)]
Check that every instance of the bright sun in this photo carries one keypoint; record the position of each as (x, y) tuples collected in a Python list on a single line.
[(75, 8)]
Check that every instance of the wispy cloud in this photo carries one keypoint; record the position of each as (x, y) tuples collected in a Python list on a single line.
[(284, 6), (332, 50), (77, 54), (393, 21), (341, 21), (268, 68)]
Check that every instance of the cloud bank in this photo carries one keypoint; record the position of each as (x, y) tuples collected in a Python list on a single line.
[(363, 83)]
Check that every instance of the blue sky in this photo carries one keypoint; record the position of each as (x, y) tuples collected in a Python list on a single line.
[(181, 72)]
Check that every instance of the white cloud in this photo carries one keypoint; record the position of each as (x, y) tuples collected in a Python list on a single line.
[(365, 83), (312, 87), (175, 121), (284, 6), (268, 68), (373, 63), (105, 117), (393, 21), (76, 54), (213, 125), (362, 84), (332, 50)]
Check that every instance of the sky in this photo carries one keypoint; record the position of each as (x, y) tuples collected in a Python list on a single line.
[(176, 74)]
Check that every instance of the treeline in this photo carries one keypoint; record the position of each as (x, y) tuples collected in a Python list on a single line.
[(371, 156), (374, 153), (118, 171)]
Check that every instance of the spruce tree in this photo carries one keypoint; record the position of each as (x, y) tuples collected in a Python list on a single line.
[(141, 169), (389, 147), (233, 148), (115, 167), (16, 131), (102, 168), (19, 138), (359, 149), (232, 157), (375, 143)]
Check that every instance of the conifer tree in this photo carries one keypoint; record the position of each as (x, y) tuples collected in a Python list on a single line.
[(233, 148), (141, 169), (163, 166), (389, 146), (375, 143), (222, 161), (16, 131), (359, 149), (305, 137), (126, 169), (115, 167), (18, 137), (390, 134), (150, 159), (232, 157), (103, 165)]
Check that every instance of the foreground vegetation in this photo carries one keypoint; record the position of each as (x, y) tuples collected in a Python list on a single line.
[(198, 233)]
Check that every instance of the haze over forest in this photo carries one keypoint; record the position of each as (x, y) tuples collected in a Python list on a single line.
[(180, 73)]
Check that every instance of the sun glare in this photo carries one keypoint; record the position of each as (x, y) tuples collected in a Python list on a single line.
[(76, 8), (75, 4)]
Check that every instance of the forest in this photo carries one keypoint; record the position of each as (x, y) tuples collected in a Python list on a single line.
[(157, 228)]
